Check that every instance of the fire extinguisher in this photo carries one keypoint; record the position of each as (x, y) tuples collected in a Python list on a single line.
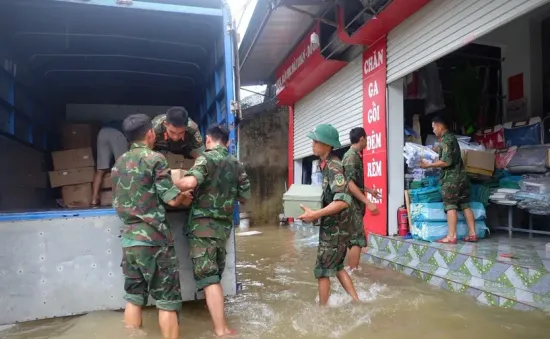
[(402, 221)]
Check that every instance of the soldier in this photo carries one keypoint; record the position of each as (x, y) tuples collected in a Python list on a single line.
[(219, 179), (141, 180), (335, 226), (454, 182), (353, 169), (175, 132)]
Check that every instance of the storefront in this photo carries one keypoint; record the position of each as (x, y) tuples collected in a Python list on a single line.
[(374, 99), (339, 101), (503, 45)]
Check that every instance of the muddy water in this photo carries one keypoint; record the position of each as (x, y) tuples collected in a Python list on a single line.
[(279, 301)]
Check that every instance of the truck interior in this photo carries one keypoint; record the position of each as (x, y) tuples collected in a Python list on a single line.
[(59, 53)]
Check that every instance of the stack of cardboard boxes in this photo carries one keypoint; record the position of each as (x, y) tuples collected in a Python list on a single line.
[(74, 167), (106, 194)]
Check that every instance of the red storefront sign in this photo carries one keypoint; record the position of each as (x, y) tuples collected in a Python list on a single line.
[(376, 177), (374, 122)]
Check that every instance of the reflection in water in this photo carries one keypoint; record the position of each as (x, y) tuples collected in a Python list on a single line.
[(279, 301)]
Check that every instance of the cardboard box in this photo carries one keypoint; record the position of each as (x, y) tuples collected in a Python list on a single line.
[(77, 136), (107, 182), (106, 198), (548, 159), (307, 195), (177, 173), (480, 163), (72, 177), (179, 161), (75, 158), (77, 195)]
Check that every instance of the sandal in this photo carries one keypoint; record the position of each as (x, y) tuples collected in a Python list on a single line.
[(447, 240), (471, 238)]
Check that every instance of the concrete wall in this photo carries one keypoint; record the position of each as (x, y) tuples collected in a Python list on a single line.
[(263, 150)]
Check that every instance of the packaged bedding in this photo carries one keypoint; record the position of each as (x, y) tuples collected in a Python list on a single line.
[(529, 159), (433, 211), (435, 230), (522, 133)]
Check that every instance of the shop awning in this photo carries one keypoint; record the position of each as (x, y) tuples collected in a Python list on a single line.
[(277, 36), (273, 32)]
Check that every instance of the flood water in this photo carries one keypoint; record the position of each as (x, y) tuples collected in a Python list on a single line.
[(278, 300)]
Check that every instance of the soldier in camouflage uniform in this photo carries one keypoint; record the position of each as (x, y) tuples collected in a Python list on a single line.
[(175, 132), (353, 169), (335, 227), (454, 182), (141, 180), (219, 180)]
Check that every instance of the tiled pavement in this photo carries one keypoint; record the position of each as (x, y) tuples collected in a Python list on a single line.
[(483, 270), (480, 270)]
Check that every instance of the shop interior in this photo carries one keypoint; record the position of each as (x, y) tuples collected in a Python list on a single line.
[(67, 68), (491, 94)]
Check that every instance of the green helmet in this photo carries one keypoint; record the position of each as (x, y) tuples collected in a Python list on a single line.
[(326, 134)]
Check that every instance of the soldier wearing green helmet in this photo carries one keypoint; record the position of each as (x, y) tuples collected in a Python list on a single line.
[(335, 226)]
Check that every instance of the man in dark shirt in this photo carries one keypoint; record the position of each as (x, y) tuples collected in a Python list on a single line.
[(111, 144), (454, 182)]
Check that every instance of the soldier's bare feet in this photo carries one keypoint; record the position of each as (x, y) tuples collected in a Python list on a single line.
[(226, 333)]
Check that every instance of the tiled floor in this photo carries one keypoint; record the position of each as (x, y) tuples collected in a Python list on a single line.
[(528, 253), (497, 271), (515, 272)]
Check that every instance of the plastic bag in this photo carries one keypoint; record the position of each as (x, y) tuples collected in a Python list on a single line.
[(426, 194), (436, 230), (529, 159), (414, 153), (539, 207), (434, 211), (492, 138), (521, 133), (470, 146), (504, 156), (539, 185)]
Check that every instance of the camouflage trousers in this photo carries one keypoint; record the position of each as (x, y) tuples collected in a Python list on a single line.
[(455, 194), (358, 237), (152, 270), (330, 259), (208, 257)]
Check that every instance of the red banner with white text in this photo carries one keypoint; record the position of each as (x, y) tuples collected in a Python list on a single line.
[(374, 122)]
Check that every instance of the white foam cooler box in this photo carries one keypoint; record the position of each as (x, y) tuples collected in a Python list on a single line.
[(307, 195)]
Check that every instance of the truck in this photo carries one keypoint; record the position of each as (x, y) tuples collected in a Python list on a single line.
[(80, 62)]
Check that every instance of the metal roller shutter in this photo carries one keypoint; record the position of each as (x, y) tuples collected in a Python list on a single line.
[(443, 26), (339, 102)]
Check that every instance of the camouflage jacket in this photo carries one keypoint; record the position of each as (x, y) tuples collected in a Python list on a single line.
[(335, 228), (449, 152), (221, 181), (191, 141), (141, 180), (353, 171)]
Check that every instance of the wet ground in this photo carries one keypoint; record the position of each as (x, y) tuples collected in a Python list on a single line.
[(279, 301)]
